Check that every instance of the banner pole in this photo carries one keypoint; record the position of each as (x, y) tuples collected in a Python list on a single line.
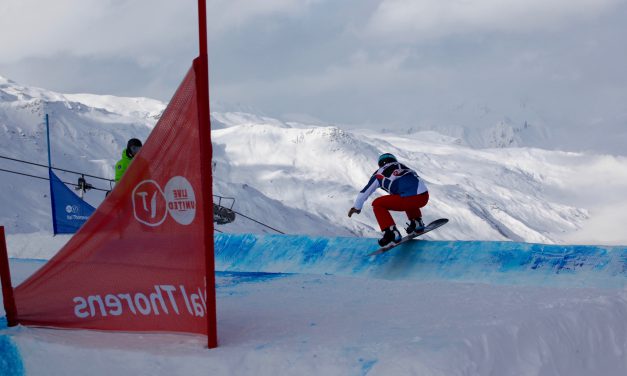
[(204, 133), (202, 27), (48, 139), (5, 278), (52, 206)]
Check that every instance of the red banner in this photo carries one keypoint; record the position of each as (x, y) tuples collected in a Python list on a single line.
[(138, 263)]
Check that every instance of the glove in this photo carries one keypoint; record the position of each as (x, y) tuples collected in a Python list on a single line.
[(353, 211)]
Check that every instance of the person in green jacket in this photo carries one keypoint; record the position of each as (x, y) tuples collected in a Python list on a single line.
[(132, 148)]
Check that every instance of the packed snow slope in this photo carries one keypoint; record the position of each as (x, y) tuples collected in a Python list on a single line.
[(313, 324), (478, 262), (302, 179)]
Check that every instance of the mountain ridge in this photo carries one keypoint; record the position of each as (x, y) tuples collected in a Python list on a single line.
[(302, 178)]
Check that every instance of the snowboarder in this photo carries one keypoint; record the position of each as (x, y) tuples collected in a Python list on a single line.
[(132, 148), (407, 192)]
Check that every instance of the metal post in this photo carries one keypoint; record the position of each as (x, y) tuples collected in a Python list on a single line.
[(48, 138), (201, 69), (5, 278), (54, 214)]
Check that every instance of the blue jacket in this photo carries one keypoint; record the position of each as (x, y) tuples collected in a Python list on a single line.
[(394, 178)]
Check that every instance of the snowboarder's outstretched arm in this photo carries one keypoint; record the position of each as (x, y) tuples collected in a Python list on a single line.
[(368, 190)]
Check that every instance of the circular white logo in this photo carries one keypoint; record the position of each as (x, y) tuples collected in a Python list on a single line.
[(71, 209), (149, 203), (181, 200)]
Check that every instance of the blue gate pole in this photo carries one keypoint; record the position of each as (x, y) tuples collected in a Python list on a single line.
[(48, 138), (54, 214)]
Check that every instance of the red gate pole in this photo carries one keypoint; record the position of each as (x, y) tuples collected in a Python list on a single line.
[(5, 278), (201, 68)]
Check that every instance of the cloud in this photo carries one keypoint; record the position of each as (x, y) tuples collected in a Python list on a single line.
[(364, 87), (32, 28), (141, 29), (225, 15), (411, 20), (352, 61)]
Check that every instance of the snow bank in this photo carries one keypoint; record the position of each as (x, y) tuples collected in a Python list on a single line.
[(422, 313), (484, 262), (10, 361), (304, 324)]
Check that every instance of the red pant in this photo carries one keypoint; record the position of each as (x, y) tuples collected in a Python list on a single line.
[(410, 205)]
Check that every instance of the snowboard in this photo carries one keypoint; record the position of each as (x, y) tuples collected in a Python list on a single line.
[(431, 226)]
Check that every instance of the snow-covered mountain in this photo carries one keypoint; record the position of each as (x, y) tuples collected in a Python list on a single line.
[(501, 134), (477, 125), (303, 178)]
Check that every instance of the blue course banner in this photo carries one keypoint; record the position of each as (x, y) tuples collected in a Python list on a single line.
[(69, 211)]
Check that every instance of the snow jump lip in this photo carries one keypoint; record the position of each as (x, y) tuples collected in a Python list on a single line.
[(463, 261), (11, 363)]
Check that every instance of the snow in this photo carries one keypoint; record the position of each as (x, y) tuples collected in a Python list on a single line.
[(475, 297), (311, 323), (478, 262), (302, 178)]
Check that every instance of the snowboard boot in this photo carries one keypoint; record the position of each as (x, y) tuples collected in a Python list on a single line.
[(390, 235), (415, 225)]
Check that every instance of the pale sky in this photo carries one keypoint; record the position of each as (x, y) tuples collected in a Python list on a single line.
[(379, 63)]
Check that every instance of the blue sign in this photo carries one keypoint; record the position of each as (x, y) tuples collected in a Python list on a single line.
[(69, 211)]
